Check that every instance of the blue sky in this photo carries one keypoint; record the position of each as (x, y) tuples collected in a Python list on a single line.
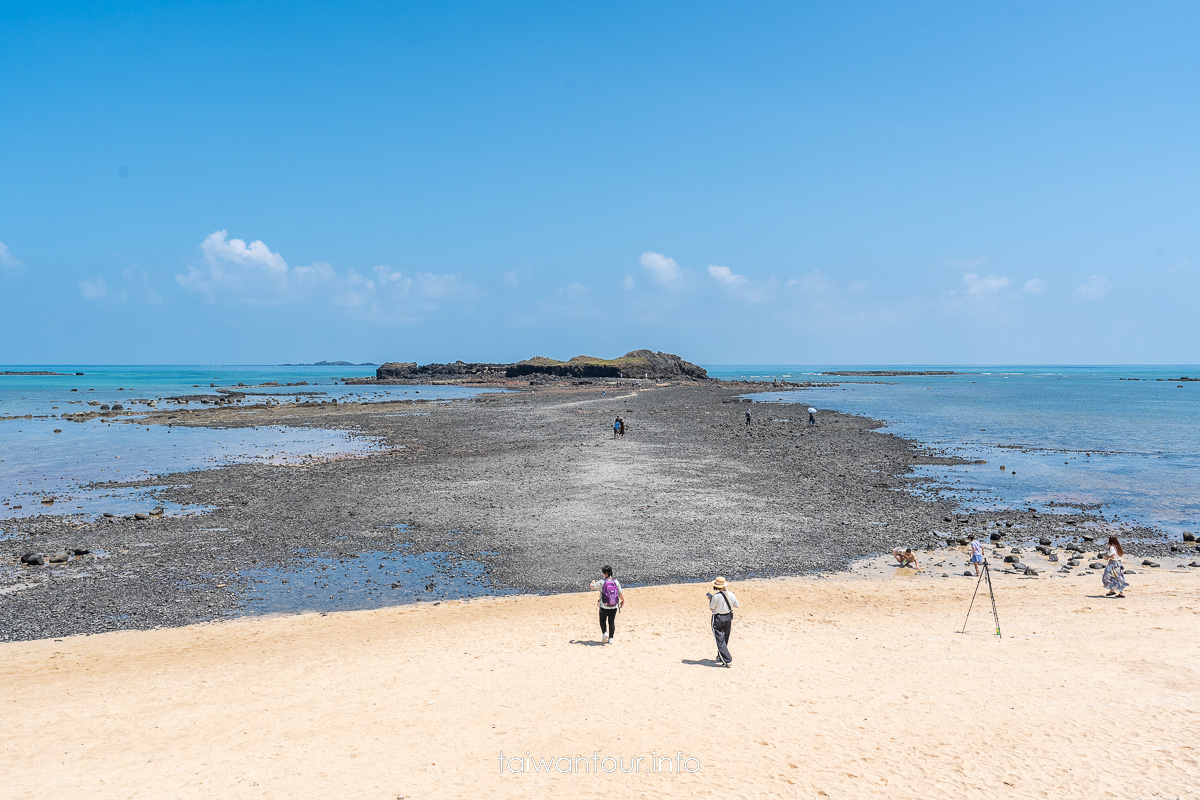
[(795, 182)]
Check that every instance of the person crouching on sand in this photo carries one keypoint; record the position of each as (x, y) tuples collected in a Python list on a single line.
[(906, 557), (722, 602), (1114, 573), (611, 600)]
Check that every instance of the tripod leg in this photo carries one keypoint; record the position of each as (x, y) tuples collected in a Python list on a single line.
[(977, 582), (992, 594)]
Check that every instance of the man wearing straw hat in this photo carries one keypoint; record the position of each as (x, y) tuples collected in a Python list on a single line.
[(722, 602)]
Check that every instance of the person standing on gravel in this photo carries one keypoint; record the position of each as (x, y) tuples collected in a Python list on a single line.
[(747, 419), (612, 599), (976, 552), (722, 602)]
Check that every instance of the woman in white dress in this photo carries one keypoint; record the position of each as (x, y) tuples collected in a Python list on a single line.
[(1114, 574)]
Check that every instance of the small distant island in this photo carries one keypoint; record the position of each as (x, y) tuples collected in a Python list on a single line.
[(333, 364), (39, 372), (890, 373), (634, 364)]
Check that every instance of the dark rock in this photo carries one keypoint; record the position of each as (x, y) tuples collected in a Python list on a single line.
[(1044, 550), (1015, 550), (59, 558), (1189, 537), (1074, 562), (1148, 563), (968, 573), (995, 537), (80, 551), (1088, 537), (1044, 540), (141, 516), (1096, 565), (1194, 564), (158, 511), (118, 407), (1011, 559), (32, 558), (1008, 523), (1031, 571), (947, 519), (1053, 558)]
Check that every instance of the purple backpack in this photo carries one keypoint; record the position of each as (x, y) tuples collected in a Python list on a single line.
[(610, 595)]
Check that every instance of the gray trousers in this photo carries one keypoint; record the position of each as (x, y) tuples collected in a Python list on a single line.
[(722, 625)]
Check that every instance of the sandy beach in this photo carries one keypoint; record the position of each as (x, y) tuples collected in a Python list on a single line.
[(852, 685)]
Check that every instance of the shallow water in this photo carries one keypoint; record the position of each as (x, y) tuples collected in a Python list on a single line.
[(321, 582), (52, 457), (1075, 435)]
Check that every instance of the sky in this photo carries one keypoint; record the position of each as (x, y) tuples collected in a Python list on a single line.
[(761, 183)]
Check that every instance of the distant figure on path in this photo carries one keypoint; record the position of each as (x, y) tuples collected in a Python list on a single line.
[(906, 557), (812, 420), (722, 604), (747, 419), (622, 428), (976, 552), (611, 600), (617, 427), (1114, 574)]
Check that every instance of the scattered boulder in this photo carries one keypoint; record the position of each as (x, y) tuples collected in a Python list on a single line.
[(158, 511), (1031, 572), (1096, 565), (967, 573), (1073, 562), (1053, 558), (118, 407), (1088, 537), (141, 516), (1044, 549), (33, 559), (1189, 537), (995, 537), (1148, 563), (59, 558), (1044, 540), (80, 551), (1194, 564), (1015, 551), (1012, 559)]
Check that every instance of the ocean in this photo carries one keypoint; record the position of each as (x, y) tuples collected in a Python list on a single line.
[(44, 456), (1123, 439)]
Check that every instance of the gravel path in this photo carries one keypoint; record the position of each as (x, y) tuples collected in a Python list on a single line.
[(525, 491)]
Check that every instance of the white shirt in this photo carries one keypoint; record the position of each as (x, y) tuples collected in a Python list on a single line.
[(717, 604), (976, 547)]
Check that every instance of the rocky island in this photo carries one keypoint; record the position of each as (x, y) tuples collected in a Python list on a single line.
[(644, 364)]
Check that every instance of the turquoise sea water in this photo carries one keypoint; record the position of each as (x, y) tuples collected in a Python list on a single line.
[(1072, 434), (1085, 435), (36, 462)]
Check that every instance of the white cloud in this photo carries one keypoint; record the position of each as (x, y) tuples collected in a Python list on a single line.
[(662, 268), (1035, 286), (512, 277), (988, 284), (7, 259), (574, 291), (629, 282), (256, 275), (94, 289), (1094, 288), (726, 276)]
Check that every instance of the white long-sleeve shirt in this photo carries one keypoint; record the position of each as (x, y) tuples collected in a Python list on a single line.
[(717, 604)]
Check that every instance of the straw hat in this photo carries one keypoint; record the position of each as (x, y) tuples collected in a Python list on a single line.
[(718, 583)]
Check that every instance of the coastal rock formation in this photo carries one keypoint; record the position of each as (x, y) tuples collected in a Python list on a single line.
[(635, 364)]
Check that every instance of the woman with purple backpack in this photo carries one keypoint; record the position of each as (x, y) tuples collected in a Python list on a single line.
[(611, 600)]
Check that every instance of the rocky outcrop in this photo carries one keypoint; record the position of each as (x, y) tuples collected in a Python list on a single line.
[(635, 364)]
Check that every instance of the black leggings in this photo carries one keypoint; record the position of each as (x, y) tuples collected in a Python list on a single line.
[(609, 615)]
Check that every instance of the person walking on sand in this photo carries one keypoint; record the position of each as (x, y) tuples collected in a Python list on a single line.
[(722, 602), (617, 428), (976, 552), (747, 419), (612, 599), (1114, 573)]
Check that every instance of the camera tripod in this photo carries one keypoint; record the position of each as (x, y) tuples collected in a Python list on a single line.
[(995, 614)]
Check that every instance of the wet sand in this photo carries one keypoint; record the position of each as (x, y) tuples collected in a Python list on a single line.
[(846, 686)]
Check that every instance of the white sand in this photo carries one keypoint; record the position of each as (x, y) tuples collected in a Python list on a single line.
[(842, 687)]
